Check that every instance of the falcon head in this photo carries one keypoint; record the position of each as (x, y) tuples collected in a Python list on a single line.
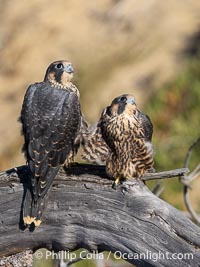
[(122, 104), (59, 73)]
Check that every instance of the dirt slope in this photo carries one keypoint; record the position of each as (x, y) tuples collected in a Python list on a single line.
[(116, 46)]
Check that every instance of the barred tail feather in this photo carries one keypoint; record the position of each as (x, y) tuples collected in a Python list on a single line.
[(33, 209), (94, 147)]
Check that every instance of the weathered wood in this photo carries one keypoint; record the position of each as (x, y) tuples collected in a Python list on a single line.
[(84, 211)]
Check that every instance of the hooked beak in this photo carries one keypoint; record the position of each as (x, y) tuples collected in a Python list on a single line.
[(130, 101), (69, 68)]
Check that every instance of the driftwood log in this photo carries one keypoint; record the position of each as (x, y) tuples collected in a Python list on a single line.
[(85, 212)]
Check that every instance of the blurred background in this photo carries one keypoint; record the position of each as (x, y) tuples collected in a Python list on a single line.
[(148, 48)]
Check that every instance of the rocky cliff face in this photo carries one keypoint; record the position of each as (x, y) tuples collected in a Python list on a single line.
[(116, 46)]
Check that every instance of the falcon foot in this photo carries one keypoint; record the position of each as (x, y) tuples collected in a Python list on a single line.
[(37, 222), (29, 220), (116, 182)]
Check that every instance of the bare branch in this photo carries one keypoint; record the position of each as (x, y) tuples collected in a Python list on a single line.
[(194, 174), (99, 170), (189, 153), (165, 174), (158, 188), (187, 179), (188, 205), (85, 212)]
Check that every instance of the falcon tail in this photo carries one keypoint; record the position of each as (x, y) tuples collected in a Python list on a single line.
[(94, 147), (33, 210)]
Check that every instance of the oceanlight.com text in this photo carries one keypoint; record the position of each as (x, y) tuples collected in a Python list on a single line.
[(94, 255)]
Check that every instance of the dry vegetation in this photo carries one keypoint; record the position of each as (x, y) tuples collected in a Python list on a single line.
[(116, 46)]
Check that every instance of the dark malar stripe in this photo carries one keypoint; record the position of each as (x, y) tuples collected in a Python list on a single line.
[(121, 108), (58, 77)]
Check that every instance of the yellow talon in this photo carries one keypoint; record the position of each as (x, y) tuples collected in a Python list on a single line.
[(28, 220), (37, 222), (116, 182)]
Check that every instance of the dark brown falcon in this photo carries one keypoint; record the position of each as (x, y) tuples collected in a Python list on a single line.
[(51, 124), (122, 138)]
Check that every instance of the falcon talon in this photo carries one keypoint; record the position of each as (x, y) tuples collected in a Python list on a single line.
[(37, 223), (28, 220), (116, 183), (114, 186)]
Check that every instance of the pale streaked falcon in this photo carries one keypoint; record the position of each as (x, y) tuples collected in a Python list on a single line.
[(122, 138)]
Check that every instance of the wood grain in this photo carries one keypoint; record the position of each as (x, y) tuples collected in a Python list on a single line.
[(85, 212)]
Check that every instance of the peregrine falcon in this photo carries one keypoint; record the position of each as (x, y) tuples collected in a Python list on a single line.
[(51, 123), (122, 138)]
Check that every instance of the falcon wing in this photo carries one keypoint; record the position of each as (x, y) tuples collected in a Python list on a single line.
[(82, 136), (147, 125), (51, 121), (94, 148)]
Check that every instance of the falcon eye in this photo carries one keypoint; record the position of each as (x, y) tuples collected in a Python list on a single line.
[(123, 99), (59, 66)]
